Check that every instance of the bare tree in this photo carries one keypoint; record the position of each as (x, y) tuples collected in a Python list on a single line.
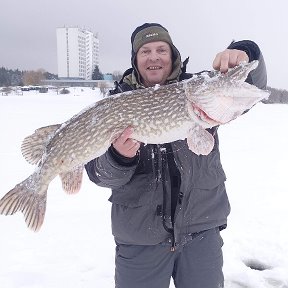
[(104, 88), (117, 75), (33, 77)]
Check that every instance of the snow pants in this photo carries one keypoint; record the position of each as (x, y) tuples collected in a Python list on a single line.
[(197, 263)]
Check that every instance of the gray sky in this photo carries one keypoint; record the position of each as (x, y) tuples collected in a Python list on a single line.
[(199, 29)]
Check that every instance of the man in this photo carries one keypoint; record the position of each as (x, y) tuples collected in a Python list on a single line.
[(168, 204)]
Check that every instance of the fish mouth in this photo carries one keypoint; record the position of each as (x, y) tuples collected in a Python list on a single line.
[(203, 116)]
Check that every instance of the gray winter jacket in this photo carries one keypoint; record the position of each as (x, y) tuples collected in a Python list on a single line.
[(145, 210)]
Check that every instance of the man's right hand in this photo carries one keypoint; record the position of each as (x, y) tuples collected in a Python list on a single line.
[(125, 145)]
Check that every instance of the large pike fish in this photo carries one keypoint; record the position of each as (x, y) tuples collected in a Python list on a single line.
[(158, 114)]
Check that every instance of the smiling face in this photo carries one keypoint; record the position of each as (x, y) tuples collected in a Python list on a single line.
[(154, 63)]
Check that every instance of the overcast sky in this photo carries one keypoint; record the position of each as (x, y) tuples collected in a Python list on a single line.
[(199, 29)]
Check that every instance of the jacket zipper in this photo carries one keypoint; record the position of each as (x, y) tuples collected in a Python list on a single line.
[(163, 159)]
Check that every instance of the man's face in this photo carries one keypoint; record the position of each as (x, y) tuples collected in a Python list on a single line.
[(154, 63)]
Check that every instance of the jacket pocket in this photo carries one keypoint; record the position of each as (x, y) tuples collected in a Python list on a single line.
[(139, 191)]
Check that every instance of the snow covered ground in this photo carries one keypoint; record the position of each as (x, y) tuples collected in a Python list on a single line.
[(75, 249)]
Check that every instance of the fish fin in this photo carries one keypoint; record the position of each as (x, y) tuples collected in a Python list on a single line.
[(31, 204), (72, 179), (240, 72), (200, 141), (33, 146)]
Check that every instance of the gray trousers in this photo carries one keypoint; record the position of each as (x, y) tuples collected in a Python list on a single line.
[(195, 264)]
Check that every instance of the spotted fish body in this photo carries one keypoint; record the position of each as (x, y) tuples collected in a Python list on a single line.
[(157, 114)]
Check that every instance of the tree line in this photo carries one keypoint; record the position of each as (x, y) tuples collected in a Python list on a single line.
[(9, 77), (277, 96)]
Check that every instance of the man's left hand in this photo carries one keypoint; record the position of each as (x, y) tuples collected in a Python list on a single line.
[(229, 58)]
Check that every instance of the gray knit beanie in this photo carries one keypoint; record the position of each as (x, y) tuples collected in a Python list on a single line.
[(150, 32)]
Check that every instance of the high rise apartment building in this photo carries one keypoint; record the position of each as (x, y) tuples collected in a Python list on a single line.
[(77, 53)]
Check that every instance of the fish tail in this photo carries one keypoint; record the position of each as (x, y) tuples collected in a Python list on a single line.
[(24, 197)]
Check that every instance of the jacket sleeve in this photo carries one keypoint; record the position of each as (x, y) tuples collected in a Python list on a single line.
[(111, 170), (257, 77)]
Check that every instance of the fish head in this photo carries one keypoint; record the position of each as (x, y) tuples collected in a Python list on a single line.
[(220, 98)]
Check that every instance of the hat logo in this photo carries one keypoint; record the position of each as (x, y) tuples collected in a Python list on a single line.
[(151, 35)]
